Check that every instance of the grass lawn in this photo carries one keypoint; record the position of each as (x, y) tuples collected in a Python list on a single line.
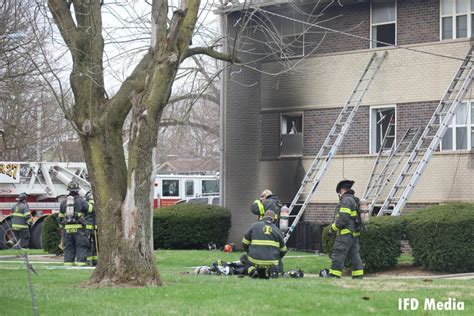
[(59, 292)]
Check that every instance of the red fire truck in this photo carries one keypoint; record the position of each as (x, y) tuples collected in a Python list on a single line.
[(46, 185)]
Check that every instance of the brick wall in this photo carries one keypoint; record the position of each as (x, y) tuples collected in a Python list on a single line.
[(270, 146), (417, 21), (323, 213), (354, 19), (415, 115)]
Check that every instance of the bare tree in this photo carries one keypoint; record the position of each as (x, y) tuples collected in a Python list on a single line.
[(31, 123), (123, 194)]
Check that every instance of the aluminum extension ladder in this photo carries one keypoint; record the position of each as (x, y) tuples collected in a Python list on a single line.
[(429, 139), (333, 141), (387, 163)]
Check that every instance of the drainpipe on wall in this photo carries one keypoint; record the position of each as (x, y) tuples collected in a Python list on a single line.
[(222, 175)]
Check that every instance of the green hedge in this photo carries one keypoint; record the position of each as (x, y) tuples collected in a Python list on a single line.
[(50, 235), (442, 237), (190, 226), (379, 244)]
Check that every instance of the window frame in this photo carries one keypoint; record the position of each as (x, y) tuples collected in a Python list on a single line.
[(470, 128), (385, 23), (186, 181), (287, 114), (372, 136), (469, 14), (170, 196)]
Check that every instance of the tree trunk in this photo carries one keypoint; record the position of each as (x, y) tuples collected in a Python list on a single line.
[(124, 215)]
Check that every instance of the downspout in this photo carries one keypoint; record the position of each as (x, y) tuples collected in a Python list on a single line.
[(222, 107)]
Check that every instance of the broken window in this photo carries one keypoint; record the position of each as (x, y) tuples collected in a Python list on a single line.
[(382, 126), (460, 133), (383, 22), (291, 133)]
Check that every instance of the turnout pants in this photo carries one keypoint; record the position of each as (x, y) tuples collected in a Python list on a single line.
[(76, 246), (22, 236), (346, 246), (92, 251)]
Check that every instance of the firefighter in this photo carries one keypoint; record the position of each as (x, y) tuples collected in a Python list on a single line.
[(72, 212), (267, 201), (347, 226), (91, 229), (265, 247), (21, 221)]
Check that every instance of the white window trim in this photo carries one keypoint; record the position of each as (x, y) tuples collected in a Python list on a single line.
[(371, 127), (454, 15), (386, 23), (283, 55), (470, 128)]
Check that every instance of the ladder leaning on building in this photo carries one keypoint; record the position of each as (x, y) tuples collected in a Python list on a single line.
[(429, 139), (333, 141)]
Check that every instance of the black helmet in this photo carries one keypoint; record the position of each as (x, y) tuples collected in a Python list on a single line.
[(22, 197), (89, 196), (73, 186), (344, 184)]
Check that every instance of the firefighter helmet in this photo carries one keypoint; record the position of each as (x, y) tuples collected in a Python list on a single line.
[(22, 197), (73, 186), (344, 184)]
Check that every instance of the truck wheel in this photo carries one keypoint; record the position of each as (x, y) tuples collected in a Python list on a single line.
[(35, 234), (6, 233)]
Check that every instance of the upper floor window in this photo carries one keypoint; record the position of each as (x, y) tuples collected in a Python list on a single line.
[(291, 133), (383, 22), (460, 134), (456, 18), (382, 127)]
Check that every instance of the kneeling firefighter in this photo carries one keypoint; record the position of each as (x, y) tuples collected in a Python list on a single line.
[(72, 212), (91, 230), (265, 247), (347, 226)]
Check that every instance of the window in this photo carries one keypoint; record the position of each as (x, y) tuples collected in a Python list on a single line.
[(457, 18), (210, 186), (170, 187), (381, 120), (292, 35), (383, 21), (460, 134), (189, 187), (291, 134)]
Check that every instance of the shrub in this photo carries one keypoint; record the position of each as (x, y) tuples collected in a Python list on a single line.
[(379, 244), (50, 235), (190, 226), (441, 237), (327, 242)]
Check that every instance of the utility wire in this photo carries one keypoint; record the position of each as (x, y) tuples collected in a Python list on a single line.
[(356, 36)]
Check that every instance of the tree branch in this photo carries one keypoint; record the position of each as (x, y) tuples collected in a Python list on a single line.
[(174, 122), (194, 96), (211, 53), (63, 19)]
